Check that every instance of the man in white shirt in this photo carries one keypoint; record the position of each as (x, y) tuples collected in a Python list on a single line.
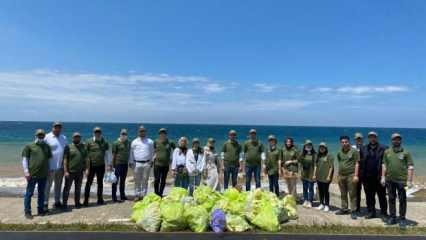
[(57, 143), (141, 159)]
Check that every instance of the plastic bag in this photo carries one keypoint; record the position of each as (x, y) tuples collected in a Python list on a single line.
[(232, 202), (188, 202), (289, 204), (176, 194), (151, 218), (172, 214), (267, 219), (110, 177), (235, 223), (206, 197), (218, 221), (197, 218), (141, 205)]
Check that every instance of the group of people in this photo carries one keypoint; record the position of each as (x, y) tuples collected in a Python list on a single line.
[(377, 169)]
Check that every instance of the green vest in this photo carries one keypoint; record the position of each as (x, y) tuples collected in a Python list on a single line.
[(347, 161), (273, 156), (76, 157), (308, 163), (96, 151), (231, 150), (290, 155), (163, 151), (325, 164), (121, 150), (252, 152), (38, 155), (397, 163)]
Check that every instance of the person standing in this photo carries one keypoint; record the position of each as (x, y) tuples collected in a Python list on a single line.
[(98, 155), (348, 161), (254, 154), (195, 164), (272, 164), (231, 159), (290, 166), (163, 156), (141, 160), (35, 162), (371, 174), (398, 171), (120, 163), (359, 146), (75, 162), (308, 162), (57, 143), (211, 158), (324, 176), (180, 172)]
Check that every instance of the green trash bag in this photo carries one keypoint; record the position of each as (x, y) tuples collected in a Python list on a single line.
[(289, 204), (176, 194), (206, 197), (188, 202), (172, 216), (151, 218), (139, 206), (235, 223), (267, 219), (197, 218)]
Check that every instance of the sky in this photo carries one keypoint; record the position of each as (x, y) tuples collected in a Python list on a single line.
[(319, 63)]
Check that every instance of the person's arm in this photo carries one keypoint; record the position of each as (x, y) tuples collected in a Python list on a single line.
[(25, 158), (66, 161), (410, 170), (315, 167), (152, 151), (132, 156), (356, 174), (114, 149)]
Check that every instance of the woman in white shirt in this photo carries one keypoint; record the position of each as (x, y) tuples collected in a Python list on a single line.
[(195, 165), (211, 158), (179, 169)]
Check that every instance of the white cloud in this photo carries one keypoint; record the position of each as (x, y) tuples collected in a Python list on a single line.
[(213, 88), (265, 88), (362, 90)]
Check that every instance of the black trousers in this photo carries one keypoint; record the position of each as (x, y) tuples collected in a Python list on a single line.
[(372, 186), (273, 184), (358, 194), (77, 178), (160, 175), (99, 171), (121, 174), (324, 193), (393, 189)]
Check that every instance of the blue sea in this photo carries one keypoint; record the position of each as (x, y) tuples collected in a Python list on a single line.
[(14, 135)]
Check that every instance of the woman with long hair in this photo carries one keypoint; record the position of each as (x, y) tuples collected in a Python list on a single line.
[(195, 165), (211, 172), (324, 176), (179, 164), (308, 162)]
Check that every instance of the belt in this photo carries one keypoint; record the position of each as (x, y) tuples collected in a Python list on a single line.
[(180, 166), (143, 161)]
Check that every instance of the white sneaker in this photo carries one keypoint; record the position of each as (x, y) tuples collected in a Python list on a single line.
[(320, 207), (305, 204), (309, 205), (326, 209)]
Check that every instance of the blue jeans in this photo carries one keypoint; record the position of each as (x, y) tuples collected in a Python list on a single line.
[(182, 180), (230, 171), (194, 181), (121, 174), (41, 187), (250, 170), (308, 191), (273, 184)]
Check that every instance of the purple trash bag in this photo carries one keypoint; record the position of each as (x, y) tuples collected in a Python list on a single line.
[(218, 221)]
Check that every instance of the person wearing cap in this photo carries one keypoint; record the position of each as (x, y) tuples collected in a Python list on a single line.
[(141, 161), (308, 161), (290, 166), (370, 173), (324, 176), (231, 158), (163, 148), (120, 163), (57, 142), (272, 164), (348, 163), (98, 157), (359, 146), (254, 154), (195, 164), (397, 173), (180, 172), (75, 162), (35, 162), (211, 158)]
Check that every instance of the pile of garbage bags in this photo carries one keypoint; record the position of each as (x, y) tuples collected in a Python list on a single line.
[(232, 211)]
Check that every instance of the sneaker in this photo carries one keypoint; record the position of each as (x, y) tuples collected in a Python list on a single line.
[(371, 215), (354, 216), (124, 198), (100, 202), (28, 216), (309, 205), (305, 204), (391, 221), (46, 207), (57, 205), (86, 203), (320, 207), (385, 217), (78, 205), (342, 212), (403, 223), (41, 213), (326, 209)]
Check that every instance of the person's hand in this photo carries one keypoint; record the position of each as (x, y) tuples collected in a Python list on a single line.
[(27, 176), (66, 174), (355, 179), (328, 179), (109, 168), (287, 163), (131, 165), (86, 172), (314, 178), (174, 173), (240, 169), (383, 181), (50, 173), (410, 184)]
